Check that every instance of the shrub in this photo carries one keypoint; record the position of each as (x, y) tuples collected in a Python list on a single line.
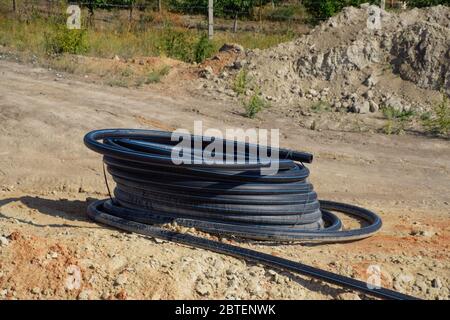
[(321, 106), (156, 75), (284, 13), (254, 105), (241, 82), (62, 40), (203, 49), (175, 44), (396, 119), (438, 121)]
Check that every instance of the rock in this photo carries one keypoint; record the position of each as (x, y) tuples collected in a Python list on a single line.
[(3, 293), (238, 64), (232, 47), (358, 107), (84, 295), (371, 81), (207, 72), (313, 92), (436, 283), (117, 262), (52, 255), (428, 233), (353, 97), (3, 241), (421, 285), (373, 106), (203, 289), (368, 94), (36, 290), (255, 289), (121, 280), (397, 104), (348, 296), (365, 107), (116, 57)]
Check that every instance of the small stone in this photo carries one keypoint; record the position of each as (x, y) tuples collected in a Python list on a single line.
[(368, 94), (36, 290), (313, 92), (371, 81), (3, 293), (436, 283), (348, 296), (207, 72), (84, 295), (3, 241), (255, 289), (105, 295), (52, 255), (373, 106), (202, 289), (358, 107), (121, 280), (231, 47), (427, 233), (421, 285), (397, 104)]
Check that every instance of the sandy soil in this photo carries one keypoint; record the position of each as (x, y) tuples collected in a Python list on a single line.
[(49, 249)]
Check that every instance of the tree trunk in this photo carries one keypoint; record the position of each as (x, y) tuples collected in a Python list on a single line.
[(235, 24), (159, 6), (14, 5)]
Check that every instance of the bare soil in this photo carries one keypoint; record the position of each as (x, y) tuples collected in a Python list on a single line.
[(51, 250)]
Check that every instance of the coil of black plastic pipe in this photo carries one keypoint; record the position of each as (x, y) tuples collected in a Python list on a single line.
[(228, 198)]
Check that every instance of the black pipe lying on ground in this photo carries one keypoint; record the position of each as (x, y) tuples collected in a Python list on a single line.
[(231, 198)]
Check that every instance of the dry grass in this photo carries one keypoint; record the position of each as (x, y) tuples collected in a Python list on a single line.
[(30, 36)]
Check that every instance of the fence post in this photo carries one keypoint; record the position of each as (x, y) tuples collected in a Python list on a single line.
[(210, 19), (383, 5)]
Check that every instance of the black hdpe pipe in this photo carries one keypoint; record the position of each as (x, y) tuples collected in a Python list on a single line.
[(227, 198)]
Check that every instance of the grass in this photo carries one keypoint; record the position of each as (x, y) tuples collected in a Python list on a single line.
[(321, 106), (181, 43), (155, 76)]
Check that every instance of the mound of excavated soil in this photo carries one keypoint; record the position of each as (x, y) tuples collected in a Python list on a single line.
[(352, 66)]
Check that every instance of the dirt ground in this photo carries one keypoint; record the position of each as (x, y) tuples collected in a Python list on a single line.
[(50, 249)]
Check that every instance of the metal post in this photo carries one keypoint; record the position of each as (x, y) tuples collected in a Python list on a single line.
[(210, 19), (383, 5)]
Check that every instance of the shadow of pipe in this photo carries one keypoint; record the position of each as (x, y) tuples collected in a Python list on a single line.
[(73, 210)]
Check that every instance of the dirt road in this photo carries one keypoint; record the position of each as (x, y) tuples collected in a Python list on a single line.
[(50, 249)]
